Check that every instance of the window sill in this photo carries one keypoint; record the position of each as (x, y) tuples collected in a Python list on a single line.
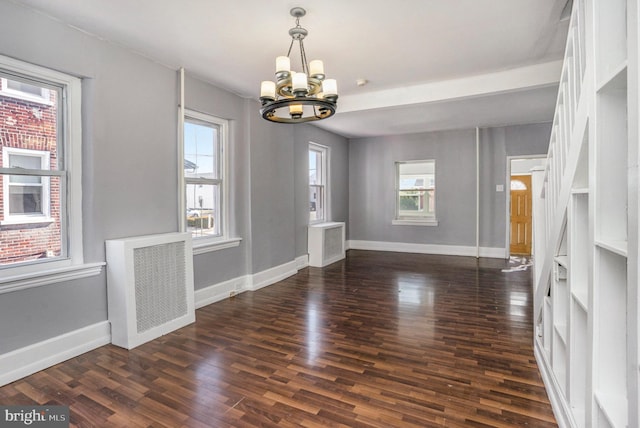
[(425, 222), (51, 276), (210, 246), (26, 221)]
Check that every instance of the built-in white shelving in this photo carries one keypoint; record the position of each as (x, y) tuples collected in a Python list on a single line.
[(586, 292)]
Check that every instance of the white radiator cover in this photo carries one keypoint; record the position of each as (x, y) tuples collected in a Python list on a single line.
[(326, 243), (150, 287)]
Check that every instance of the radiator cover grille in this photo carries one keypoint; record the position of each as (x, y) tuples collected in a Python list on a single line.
[(333, 244), (150, 287), (160, 284), (326, 243)]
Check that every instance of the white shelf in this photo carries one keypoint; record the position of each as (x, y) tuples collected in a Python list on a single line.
[(616, 247), (579, 356), (589, 322), (611, 28), (613, 407), (616, 79), (561, 331), (581, 297), (562, 261)]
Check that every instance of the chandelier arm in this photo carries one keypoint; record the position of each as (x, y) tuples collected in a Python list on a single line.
[(290, 47), (303, 58)]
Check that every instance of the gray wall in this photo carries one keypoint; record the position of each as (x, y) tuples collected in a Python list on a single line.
[(338, 178), (129, 122), (495, 145), (214, 267), (272, 196), (372, 181)]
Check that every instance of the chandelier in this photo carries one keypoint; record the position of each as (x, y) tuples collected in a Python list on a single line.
[(297, 97)]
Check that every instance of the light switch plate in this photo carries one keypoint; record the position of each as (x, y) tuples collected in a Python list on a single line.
[(499, 187)]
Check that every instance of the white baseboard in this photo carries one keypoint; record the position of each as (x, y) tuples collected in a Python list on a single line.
[(223, 290), (22, 362), (273, 275), (559, 404), (216, 292), (302, 261), (406, 247)]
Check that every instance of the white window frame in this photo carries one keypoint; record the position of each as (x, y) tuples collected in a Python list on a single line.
[(71, 265), (203, 244), (43, 98), (43, 217), (401, 219), (324, 182)]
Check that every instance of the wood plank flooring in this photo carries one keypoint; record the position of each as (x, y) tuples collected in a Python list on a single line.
[(377, 340)]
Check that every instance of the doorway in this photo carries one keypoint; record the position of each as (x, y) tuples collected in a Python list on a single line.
[(519, 203), (520, 215)]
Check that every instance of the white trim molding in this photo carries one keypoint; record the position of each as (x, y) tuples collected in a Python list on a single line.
[(222, 290), (302, 261), (273, 275), (561, 409), (52, 276), (407, 247), (22, 362)]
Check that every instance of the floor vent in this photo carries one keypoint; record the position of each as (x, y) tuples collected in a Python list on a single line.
[(150, 287), (326, 243)]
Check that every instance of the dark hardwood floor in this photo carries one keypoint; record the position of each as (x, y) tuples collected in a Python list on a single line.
[(379, 339)]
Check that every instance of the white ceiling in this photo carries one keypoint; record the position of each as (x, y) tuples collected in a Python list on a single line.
[(431, 64)]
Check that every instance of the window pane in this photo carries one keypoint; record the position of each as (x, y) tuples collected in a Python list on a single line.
[(25, 200), (200, 148), (33, 241), (24, 87), (203, 213), (316, 203), (416, 189), (314, 169), (25, 161)]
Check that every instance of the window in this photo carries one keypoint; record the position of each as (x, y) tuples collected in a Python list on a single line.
[(26, 198), (40, 176), (23, 90), (416, 193), (318, 189), (204, 179)]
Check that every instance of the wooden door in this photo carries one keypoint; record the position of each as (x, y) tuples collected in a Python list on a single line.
[(521, 214)]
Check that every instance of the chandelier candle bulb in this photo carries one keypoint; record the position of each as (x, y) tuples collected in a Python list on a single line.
[(283, 63), (268, 90), (295, 110), (330, 87), (299, 82), (316, 69)]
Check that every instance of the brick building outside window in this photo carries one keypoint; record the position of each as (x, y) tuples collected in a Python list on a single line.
[(30, 205)]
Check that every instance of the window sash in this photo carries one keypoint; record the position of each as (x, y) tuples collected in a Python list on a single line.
[(318, 175), (65, 178), (316, 212), (415, 202), (202, 229), (42, 98)]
